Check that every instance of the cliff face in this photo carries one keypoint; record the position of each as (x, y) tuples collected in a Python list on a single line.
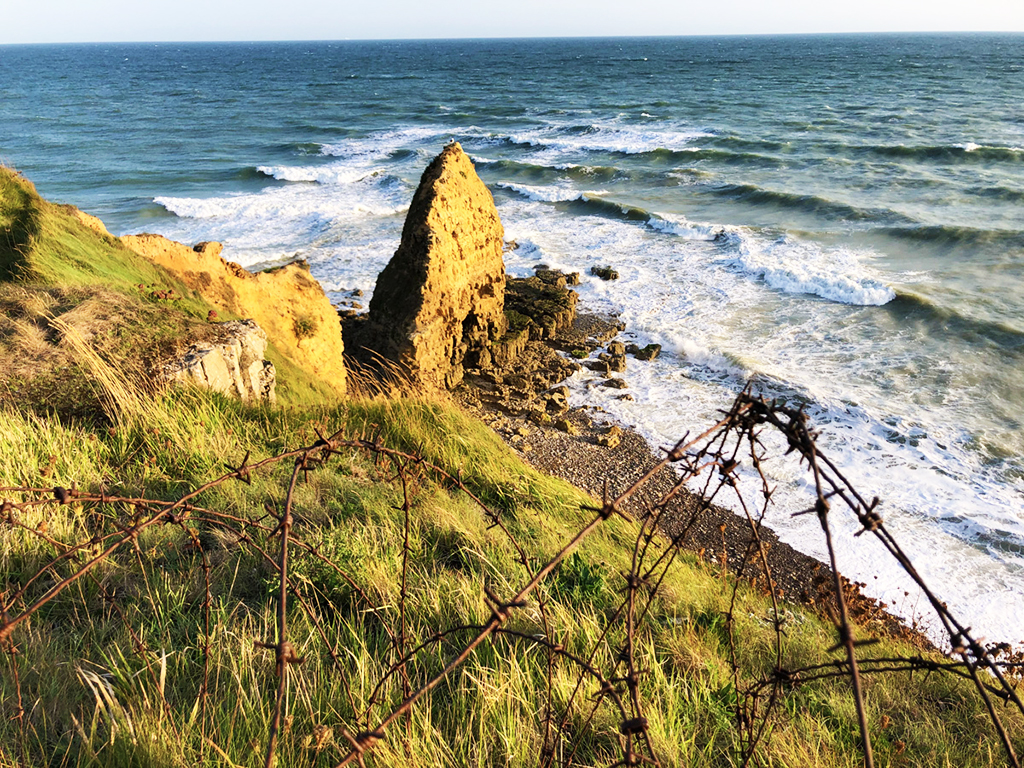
[(438, 304), (287, 303)]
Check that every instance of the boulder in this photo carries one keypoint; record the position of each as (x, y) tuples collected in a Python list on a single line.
[(649, 352), (617, 364), (286, 302), (605, 273), (567, 426), (541, 305), (440, 299), (234, 365)]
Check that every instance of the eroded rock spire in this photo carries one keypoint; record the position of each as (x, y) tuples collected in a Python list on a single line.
[(438, 304)]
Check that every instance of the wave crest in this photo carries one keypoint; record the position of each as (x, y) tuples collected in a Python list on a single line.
[(792, 266)]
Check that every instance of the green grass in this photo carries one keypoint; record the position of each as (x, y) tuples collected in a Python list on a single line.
[(53, 266), (94, 702), (41, 242)]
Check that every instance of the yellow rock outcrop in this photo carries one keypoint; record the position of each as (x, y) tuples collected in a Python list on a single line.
[(88, 220), (287, 302), (438, 304)]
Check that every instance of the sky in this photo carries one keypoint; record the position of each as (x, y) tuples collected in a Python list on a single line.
[(58, 21)]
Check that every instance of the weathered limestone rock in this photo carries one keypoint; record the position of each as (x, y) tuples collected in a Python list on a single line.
[(235, 365), (649, 352), (605, 273), (567, 426), (438, 304), (541, 304), (286, 302)]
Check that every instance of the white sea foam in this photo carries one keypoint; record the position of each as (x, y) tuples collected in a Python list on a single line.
[(681, 227), (322, 222), (382, 144), (970, 146), (625, 139), (265, 207), (789, 265), (322, 174), (550, 194)]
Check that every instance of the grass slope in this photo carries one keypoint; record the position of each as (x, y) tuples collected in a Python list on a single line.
[(131, 312), (93, 702)]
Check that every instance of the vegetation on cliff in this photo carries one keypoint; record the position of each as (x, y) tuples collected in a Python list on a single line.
[(403, 515), (67, 287)]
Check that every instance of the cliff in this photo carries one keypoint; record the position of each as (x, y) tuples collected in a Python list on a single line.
[(287, 302), (65, 279)]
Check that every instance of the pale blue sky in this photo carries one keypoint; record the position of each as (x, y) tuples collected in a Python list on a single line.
[(38, 21)]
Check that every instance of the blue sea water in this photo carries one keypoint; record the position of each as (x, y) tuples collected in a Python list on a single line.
[(838, 218)]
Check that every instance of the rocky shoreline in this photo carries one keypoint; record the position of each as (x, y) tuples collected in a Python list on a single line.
[(575, 444), (445, 317)]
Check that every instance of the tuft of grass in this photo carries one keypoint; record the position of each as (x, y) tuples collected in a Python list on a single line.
[(304, 327)]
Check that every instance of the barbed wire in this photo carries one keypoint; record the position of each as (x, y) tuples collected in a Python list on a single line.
[(610, 665)]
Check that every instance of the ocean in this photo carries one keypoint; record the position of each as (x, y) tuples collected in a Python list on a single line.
[(838, 219)]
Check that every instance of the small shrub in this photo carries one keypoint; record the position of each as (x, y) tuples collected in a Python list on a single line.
[(304, 327)]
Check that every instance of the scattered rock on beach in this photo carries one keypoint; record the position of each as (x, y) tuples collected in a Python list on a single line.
[(617, 364), (605, 273), (564, 425), (611, 437), (648, 352)]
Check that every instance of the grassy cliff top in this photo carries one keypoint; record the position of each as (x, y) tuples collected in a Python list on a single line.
[(45, 243), (68, 287)]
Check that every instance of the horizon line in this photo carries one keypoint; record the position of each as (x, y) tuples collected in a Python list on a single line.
[(494, 38)]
